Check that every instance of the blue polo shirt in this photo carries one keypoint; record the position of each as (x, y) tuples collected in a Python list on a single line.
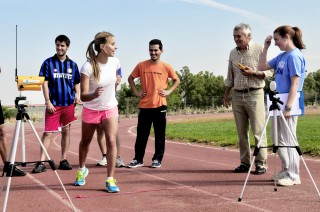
[(62, 78), (287, 65)]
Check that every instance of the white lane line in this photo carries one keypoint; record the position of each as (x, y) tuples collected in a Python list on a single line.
[(56, 195), (204, 161), (53, 193), (200, 191), (48, 189)]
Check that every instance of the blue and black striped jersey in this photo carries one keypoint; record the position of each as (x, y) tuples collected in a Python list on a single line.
[(62, 78)]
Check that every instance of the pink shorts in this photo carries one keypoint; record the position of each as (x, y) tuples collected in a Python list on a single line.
[(63, 116), (96, 116)]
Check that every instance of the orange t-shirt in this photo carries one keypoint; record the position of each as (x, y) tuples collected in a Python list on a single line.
[(153, 78)]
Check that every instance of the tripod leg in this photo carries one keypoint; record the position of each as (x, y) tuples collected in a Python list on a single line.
[(254, 157), (275, 142), (23, 145), (46, 153), (12, 157), (296, 144)]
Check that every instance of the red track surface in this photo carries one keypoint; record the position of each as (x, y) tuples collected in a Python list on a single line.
[(192, 178)]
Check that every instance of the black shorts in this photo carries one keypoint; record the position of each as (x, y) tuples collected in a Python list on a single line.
[(1, 115)]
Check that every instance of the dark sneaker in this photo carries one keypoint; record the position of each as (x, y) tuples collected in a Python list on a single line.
[(17, 172), (40, 167), (134, 164), (5, 167), (241, 169), (64, 165), (155, 164), (260, 170)]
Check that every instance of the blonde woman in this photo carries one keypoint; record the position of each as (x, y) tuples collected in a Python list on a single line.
[(98, 79)]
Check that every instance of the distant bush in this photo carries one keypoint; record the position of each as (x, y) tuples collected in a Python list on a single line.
[(9, 113)]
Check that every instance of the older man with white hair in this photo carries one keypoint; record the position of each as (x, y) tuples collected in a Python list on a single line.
[(248, 96)]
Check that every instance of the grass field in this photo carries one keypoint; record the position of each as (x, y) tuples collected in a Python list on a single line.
[(221, 131)]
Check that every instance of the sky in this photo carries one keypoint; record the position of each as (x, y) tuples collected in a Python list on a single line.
[(195, 33)]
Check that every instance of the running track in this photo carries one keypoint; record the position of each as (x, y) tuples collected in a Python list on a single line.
[(192, 178)]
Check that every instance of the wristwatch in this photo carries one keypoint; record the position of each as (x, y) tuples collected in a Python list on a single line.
[(287, 108)]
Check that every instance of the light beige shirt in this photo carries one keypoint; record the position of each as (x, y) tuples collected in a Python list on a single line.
[(249, 58)]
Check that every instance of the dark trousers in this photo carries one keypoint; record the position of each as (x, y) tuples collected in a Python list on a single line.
[(147, 117)]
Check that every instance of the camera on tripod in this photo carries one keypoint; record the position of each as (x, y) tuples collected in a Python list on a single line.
[(20, 102), (28, 83), (24, 83), (32, 83)]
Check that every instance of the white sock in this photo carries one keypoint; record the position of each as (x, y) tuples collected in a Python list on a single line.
[(82, 169)]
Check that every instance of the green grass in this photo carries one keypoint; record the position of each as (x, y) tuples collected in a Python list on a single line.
[(223, 133)]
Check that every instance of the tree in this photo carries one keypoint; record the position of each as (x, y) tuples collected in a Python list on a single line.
[(203, 90), (127, 100), (9, 113), (186, 79), (311, 87)]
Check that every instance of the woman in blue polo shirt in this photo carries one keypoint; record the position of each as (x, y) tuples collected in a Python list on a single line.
[(289, 68)]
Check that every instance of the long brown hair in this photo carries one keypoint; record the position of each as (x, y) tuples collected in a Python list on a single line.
[(94, 46), (295, 34)]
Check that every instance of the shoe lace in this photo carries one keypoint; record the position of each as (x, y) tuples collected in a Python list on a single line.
[(155, 161), (111, 182), (134, 162), (284, 175), (79, 175), (40, 166)]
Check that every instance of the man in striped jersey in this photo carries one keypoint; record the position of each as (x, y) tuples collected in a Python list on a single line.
[(61, 90)]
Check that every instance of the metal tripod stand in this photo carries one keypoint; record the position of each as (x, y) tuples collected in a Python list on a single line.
[(20, 104), (274, 108)]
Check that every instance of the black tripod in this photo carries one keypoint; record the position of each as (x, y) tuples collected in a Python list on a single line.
[(275, 109), (9, 166)]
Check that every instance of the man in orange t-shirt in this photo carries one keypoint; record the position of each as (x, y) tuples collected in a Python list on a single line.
[(154, 75)]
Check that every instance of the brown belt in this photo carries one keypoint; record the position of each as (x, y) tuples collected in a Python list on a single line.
[(246, 90)]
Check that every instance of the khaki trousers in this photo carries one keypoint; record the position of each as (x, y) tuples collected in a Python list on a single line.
[(249, 108)]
